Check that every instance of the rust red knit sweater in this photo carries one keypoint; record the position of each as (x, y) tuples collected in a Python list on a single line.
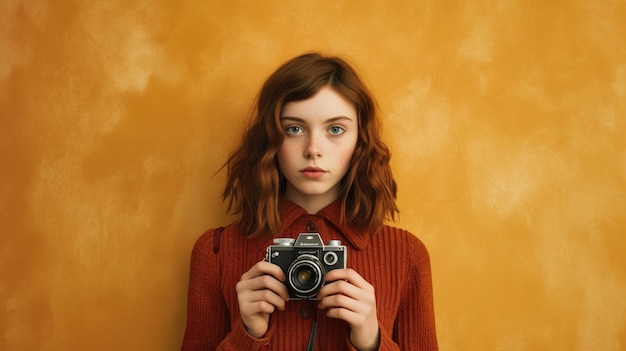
[(394, 261)]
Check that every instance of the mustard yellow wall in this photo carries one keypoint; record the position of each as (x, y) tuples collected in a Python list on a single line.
[(507, 121)]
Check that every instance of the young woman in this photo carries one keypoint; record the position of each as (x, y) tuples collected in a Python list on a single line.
[(311, 161)]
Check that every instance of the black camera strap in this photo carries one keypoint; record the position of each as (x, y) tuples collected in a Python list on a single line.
[(312, 338)]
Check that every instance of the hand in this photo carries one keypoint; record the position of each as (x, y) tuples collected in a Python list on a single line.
[(351, 298), (259, 293)]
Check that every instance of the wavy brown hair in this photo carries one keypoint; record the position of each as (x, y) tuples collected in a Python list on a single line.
[(254, 184)]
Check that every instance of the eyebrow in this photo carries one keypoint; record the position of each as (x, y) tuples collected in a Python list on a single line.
[(330, 120)]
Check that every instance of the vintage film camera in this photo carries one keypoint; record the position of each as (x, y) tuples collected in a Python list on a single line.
[(305, 261)]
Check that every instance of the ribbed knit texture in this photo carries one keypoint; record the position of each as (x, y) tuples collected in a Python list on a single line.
[(394, 261)]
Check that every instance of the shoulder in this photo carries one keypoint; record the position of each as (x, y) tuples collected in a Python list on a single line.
[(210, 241), (412, 243)]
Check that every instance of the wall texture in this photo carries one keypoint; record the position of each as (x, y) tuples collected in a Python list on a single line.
[(506, 120)]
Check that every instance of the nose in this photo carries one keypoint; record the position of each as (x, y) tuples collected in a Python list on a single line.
[(313, 148)]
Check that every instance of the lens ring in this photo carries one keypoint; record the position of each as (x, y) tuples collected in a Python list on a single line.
[(305, 275)]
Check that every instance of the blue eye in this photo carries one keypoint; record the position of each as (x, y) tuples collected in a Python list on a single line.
[(293, 130), (336, 130)]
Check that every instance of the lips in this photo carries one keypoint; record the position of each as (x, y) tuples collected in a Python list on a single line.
[(313, 172)]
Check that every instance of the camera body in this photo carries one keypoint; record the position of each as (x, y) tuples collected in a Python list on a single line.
[(305, 261)]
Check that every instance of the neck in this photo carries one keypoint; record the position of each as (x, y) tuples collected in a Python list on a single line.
[(311, 203)]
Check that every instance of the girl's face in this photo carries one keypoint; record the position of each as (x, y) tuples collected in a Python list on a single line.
[(320, 137)]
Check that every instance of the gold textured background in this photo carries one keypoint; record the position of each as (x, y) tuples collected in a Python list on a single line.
[(507, 121)]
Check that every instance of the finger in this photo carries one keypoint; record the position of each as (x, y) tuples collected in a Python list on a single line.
[(350, 317), (354, 312), (339, 301), (263, 301), (263, 283), (261, 268), (339, 287), (364, 295), (347, 282), (347, 274)]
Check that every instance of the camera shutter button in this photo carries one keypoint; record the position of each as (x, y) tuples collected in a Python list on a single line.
[(311, 227)]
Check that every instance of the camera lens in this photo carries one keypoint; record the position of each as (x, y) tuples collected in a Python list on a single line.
[(306, 276)]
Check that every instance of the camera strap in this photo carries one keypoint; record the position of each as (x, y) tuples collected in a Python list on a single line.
[(312, 338), (217, 239)]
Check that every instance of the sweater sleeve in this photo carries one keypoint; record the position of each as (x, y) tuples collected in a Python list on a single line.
[(208, 319), (415, 324), (386, 342)]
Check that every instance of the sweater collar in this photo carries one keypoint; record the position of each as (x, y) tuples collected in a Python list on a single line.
[(290, 212)]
